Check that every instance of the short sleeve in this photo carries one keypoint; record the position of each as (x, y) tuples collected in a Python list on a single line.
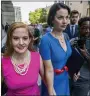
[(44, 49)]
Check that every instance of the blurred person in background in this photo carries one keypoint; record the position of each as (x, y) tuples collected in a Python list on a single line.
[(3, 39), (37, 38), (81, 81), (48, 29), (6, 27), (72, 28)]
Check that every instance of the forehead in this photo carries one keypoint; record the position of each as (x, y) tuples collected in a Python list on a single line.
[(86, 23), (20, 32), (74, 14), (62, 12)]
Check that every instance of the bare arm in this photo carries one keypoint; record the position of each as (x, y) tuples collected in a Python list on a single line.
[(41, 69), (45, 52), (49, 76)]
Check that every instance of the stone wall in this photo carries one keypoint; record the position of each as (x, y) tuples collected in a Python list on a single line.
[(7, 12)]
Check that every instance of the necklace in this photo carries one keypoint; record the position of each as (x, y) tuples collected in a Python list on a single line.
[(21, 69), (61, 39)]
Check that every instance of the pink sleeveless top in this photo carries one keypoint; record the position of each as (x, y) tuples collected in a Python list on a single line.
[(24, 85)]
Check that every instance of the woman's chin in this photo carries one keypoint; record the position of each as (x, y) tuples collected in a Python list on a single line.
[(21, 51)]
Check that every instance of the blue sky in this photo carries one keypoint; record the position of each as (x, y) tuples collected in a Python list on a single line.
[(26, 7)]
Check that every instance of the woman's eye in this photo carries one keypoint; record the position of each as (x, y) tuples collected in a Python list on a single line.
[(25, 38), (59, 17), (67, 17), (15, 38)]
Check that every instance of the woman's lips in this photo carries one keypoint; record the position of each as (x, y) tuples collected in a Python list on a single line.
[(64, 26), (21, 48)]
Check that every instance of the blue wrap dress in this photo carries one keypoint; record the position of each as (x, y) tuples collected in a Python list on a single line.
[(50, 49)]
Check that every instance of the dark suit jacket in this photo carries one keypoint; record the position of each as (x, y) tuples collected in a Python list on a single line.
[(68, 31)]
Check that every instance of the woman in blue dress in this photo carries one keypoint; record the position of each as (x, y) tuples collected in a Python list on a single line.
[(55, 49)]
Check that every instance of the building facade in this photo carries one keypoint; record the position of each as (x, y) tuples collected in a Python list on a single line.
[(82, 6), (7, 12), (17, 14)]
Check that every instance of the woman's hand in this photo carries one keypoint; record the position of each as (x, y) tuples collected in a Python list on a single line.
[(76, 76), (54, 93)]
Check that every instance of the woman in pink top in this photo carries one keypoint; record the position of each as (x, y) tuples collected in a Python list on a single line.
[(20, 64)]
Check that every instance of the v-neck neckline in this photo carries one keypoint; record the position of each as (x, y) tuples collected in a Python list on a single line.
[(59, 42)]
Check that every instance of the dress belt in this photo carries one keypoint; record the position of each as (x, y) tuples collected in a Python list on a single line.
[(59, 71)]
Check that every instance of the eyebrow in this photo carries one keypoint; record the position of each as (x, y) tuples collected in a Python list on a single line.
[(17, 36), (62, 16)]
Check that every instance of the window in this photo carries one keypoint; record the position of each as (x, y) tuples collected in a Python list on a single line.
[(88, 12)]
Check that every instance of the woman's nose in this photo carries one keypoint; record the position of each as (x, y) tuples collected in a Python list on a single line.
[(64, 20), (20, 41)]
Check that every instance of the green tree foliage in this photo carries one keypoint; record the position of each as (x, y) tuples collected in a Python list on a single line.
[(38, 16)]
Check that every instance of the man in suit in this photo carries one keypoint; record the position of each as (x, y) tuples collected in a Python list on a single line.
[(72, 28)]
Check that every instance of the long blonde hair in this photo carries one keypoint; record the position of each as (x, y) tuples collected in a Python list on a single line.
[(9, 47)]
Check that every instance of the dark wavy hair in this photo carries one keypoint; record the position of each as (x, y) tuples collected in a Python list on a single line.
[(52, 12), (83, 19), (74, 12)]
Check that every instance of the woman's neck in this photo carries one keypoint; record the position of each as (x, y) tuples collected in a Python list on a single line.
[(57, 33), (20, 56)]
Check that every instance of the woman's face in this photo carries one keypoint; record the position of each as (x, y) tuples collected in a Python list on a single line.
[(85, 29), (61, 19), (20, 40)]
